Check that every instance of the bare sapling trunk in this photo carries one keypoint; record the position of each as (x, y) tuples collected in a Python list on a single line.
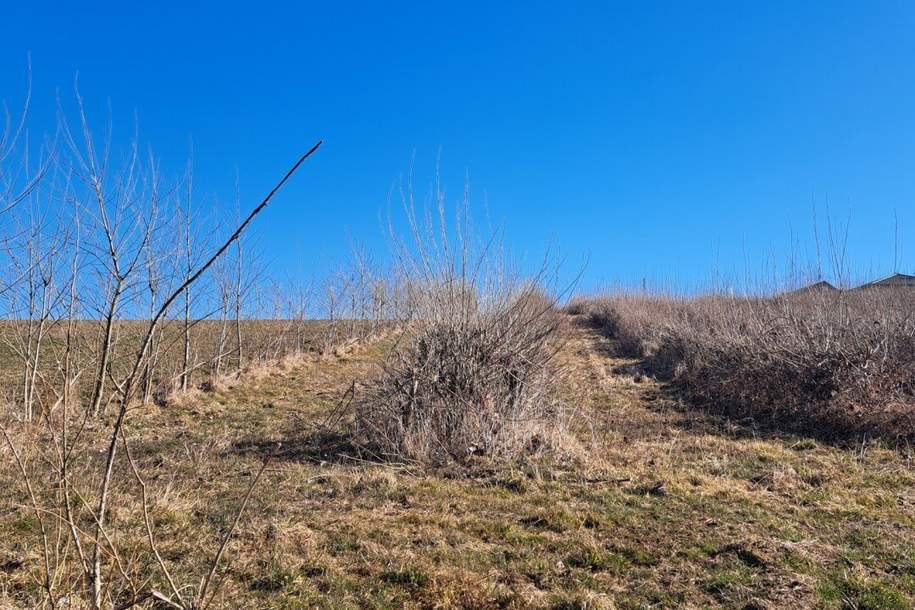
[(239, 296), (379, 302), (117, 279), (330, 291), (152, 285), (40, 329), (224, 289), (219, 352), (188, 269), (123, 234), (39, 296), (98, 391)]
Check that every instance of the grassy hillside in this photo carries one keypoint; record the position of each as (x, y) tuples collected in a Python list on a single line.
[(664, 507)]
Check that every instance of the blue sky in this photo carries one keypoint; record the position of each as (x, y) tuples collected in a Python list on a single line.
[(654, 140)]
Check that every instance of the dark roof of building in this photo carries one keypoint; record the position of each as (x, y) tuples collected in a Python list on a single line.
[(895, 280), (821, 286)]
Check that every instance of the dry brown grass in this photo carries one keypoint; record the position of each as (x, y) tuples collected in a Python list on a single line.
[(675, 508), (263, 341)]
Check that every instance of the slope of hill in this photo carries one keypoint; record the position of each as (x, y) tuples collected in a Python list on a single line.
[(666, 508)]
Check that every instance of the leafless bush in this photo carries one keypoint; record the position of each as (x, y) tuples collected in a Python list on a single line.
[(472, 373), (841, 361)]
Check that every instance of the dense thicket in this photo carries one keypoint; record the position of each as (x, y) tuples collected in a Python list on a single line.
[(840, 362)]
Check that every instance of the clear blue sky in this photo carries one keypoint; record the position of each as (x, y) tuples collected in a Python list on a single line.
[(650, 138)]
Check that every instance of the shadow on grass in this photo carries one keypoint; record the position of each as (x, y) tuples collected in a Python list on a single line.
[(822, 423), (317, 447)]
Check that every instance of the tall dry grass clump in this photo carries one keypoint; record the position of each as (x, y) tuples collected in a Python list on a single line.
[(842, 362), (472, 373)]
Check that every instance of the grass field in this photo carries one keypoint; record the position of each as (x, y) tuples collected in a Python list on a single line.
[(261, 340), (665, 508)]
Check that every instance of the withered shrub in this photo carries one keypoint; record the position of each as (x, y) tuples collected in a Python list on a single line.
[(472, 373)]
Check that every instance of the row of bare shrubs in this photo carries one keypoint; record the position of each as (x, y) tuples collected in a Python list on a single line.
[(841, 363)]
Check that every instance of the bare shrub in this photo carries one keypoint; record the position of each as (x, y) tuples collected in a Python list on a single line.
[(472, 372), (468, 381)]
